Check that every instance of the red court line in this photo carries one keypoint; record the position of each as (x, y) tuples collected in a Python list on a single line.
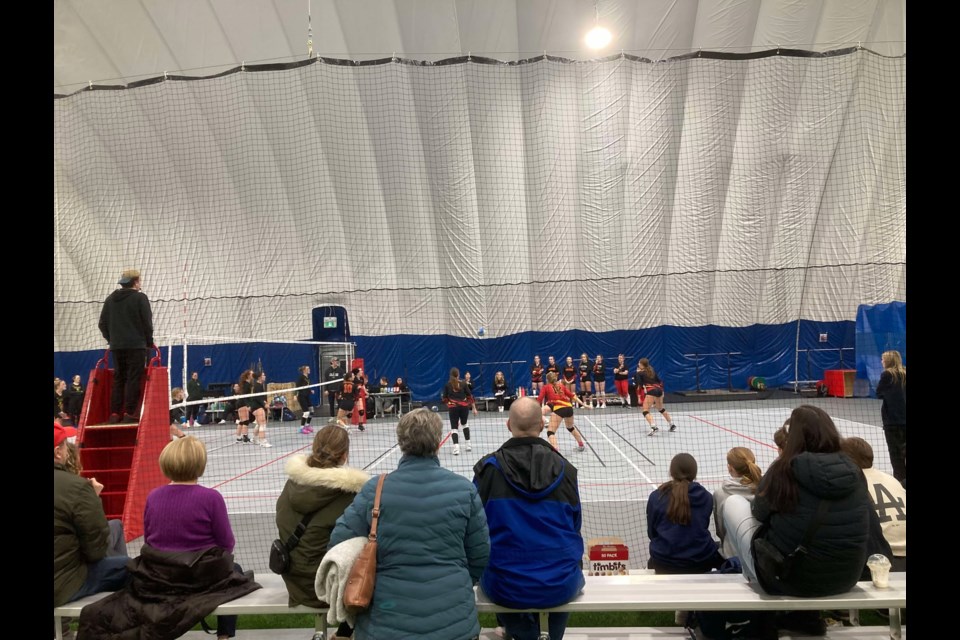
[(266, 464), (746, 437)]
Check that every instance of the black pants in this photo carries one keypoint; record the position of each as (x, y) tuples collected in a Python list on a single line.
[(128, 366), (896, 436), (193, 411), (226, 625), (458, 416), (332, 399)]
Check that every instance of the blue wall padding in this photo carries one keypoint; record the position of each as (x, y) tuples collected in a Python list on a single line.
[(425, 361), (879, 328)]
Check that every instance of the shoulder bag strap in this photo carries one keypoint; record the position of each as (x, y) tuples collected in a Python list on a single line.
[(376, 509), (294, 538)]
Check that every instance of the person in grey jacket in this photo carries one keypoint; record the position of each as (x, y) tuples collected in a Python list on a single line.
[(432, 542), (126, 322)]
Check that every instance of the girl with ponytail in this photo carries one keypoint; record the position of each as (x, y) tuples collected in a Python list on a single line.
[(744, 476), (318, 483), (678, 522)]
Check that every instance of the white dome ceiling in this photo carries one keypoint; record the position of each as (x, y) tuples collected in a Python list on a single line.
[(118, 41)]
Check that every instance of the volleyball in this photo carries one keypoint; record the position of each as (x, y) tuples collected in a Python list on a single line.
[(434, 408), (481, 331)]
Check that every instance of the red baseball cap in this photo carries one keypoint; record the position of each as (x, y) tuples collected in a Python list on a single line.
[(61, 433)]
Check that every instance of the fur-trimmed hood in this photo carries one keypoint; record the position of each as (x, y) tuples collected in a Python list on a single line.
[(341, 478)]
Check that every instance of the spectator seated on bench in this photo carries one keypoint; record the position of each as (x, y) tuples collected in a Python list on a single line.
[(319, 488), (805, 534), (185, 568)]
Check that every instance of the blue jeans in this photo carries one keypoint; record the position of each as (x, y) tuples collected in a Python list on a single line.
[(526, 626), (109, 574)]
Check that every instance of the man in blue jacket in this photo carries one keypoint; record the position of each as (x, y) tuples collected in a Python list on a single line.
[(527, 488)]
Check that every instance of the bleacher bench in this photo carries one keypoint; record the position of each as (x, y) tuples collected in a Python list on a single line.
[(272, 599), (647, 592), (714, 592)]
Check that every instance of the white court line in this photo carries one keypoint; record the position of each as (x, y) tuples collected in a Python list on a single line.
[(389, 453), (617, 449)]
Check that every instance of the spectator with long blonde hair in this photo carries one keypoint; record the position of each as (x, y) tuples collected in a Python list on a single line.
[(744, 476), (892, 389)]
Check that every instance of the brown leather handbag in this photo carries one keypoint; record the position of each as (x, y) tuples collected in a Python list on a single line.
[(359, 590)]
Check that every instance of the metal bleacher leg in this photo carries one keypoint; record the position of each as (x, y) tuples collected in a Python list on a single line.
[(544, 626), (895, 624), (320, 625)]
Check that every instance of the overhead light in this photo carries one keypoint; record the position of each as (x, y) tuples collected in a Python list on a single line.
[(598, 37)]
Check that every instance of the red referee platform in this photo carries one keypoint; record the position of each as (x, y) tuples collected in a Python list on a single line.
[(124, 456)]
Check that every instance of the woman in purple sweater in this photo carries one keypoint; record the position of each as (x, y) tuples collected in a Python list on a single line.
[(184, 516)]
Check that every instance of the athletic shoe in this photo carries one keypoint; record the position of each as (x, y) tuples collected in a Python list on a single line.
[(653, 430), (469, 447), (456, 449), (265, 444), (306, 431), (673, 427), (246, 439), (129, 417), (360, 427), (239, 440), (114, 418), (603, 405), (222, 422), (581, 447)]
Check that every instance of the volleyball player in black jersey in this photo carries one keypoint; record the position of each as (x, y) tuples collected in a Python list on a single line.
[(599, 382), (585, 369), (500, 390), (304, 400), (650, 394), (458, 397), (258, 407), (346, 399), (536, 376), (621, 380), (552, 366), (568, 375)]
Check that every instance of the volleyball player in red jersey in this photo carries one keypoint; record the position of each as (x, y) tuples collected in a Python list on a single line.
[(650, 394), (621, 380), (560, 400), (458, 397), (536, 376), (585, 369), (568, 375), (599, 382)]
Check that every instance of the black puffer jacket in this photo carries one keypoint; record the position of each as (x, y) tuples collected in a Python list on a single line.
[(838, 550), (169, 593)]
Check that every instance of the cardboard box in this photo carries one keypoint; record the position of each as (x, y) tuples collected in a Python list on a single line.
[(608, 557)]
